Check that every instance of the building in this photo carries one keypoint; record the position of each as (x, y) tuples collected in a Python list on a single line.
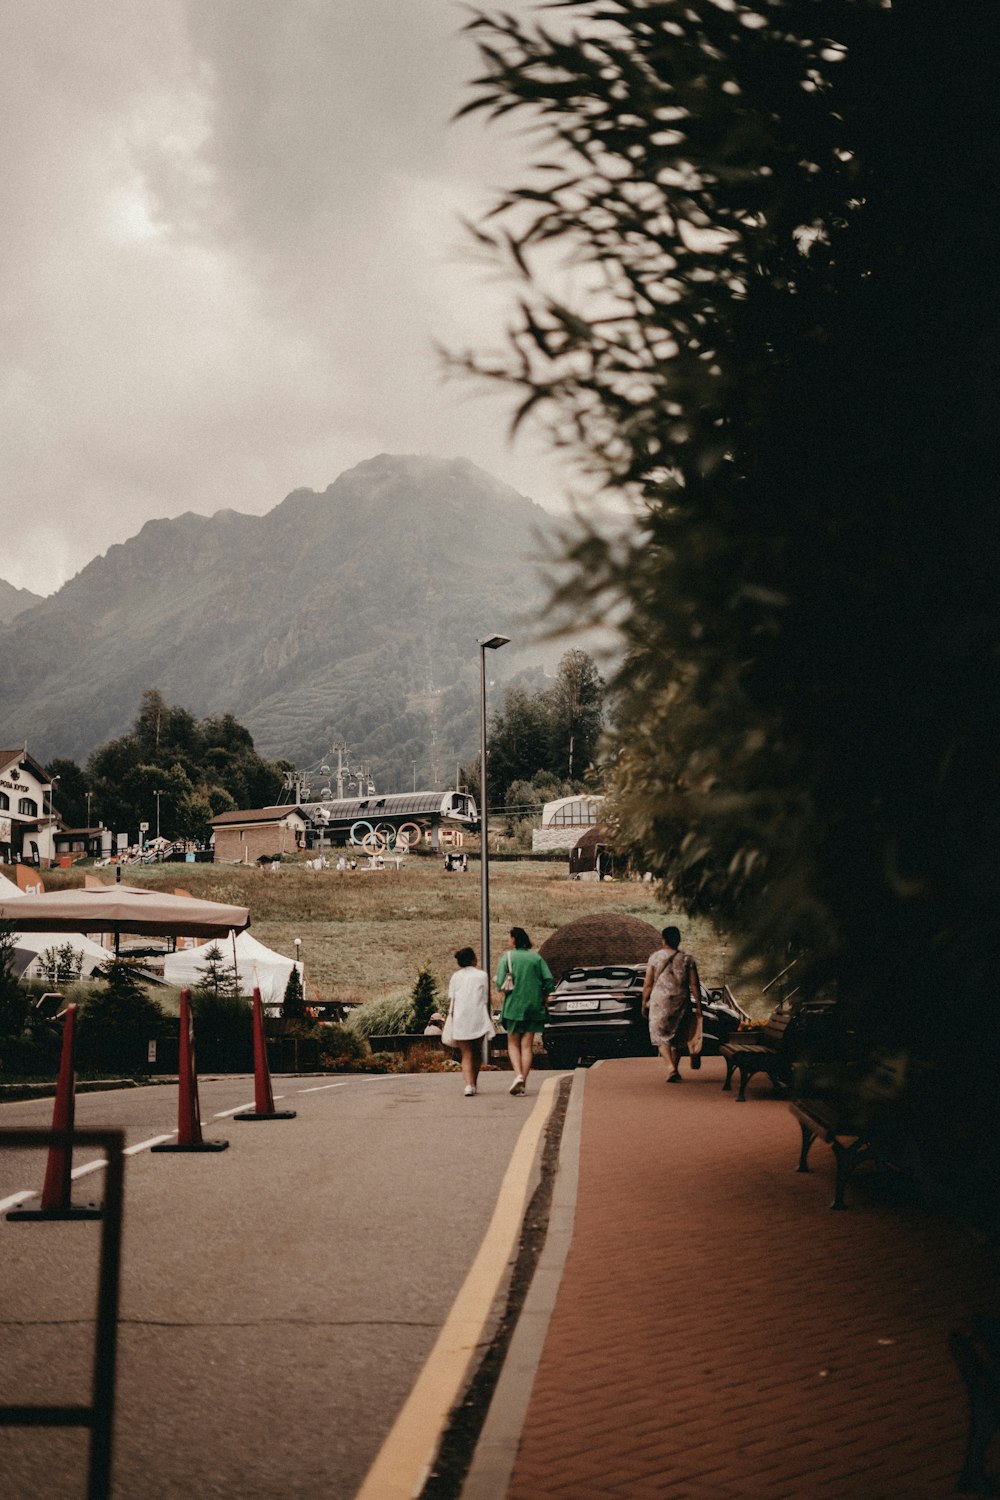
[(27, 819), (396, 820), (564, 820), (258, 833)]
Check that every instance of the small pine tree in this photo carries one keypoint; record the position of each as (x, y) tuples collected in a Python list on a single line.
[(219, 978), (424, 996), (293, 1007)]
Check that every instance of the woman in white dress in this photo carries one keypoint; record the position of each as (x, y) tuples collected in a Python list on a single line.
[(469, 1014)]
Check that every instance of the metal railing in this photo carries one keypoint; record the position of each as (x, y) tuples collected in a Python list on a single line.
[(99, 1415)]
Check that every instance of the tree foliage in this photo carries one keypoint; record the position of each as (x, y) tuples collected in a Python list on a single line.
[(776, 226), (293, 1005), (14, 1002), (201, 768), (553, 734)]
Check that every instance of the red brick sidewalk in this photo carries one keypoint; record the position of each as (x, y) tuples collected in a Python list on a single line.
[(719, 1332)]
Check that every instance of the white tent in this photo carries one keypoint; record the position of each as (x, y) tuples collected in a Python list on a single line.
[(256, 964), (91, 953)]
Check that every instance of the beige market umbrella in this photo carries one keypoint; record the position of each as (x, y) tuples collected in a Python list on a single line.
[(123, 908)]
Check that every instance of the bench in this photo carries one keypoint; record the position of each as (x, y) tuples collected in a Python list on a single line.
[(767, 1050), (821, 1120), (977, 1355)]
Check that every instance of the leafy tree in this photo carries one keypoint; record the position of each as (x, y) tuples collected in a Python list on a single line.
[(69, 794), (199, 768), (777, 345), (62, 964), (293, 1006)]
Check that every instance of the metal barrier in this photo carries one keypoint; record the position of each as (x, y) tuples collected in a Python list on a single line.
[(99, 1415)]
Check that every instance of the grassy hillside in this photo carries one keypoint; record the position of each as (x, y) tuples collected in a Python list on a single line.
[(365, 933)]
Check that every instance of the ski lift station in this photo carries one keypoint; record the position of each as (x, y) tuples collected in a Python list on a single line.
[(366, 824)]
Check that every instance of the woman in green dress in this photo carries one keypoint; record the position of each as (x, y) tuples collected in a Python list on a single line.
[(524, 1011)]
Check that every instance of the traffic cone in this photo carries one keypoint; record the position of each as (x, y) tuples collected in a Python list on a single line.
[(58, 1186), (263, 1098), (189, 1137)]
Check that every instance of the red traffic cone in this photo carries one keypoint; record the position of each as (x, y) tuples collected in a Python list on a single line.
[(263, 1098), (189, 1137), (58, 1187)]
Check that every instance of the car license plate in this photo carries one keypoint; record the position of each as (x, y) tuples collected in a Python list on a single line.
[(583, 1004)]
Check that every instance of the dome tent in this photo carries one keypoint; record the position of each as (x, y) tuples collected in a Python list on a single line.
[(592, 942)]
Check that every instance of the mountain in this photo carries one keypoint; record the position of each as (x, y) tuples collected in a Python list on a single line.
[(13, 601), (351, 615)]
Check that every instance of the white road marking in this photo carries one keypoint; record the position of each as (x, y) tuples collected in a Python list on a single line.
[(90, 1166), (319, 1087), (154, 1140), (222, 1113), (14, 1200)]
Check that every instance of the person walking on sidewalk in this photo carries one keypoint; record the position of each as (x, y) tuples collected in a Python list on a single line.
[(671, 998), (469, 1014), (525, 981)]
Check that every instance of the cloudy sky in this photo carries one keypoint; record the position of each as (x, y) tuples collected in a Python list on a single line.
[(231, 236)]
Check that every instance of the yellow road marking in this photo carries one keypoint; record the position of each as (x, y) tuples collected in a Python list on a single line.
[(400, 1469)]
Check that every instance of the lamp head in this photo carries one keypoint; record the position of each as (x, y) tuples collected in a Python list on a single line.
[(494, 642)]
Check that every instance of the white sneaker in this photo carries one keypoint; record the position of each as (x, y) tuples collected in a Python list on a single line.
[(517, 1087), (470, 1090)]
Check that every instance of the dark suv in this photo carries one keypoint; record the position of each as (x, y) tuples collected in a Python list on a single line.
[(598, 1013)]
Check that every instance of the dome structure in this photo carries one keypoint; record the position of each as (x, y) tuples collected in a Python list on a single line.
[(607, 938)]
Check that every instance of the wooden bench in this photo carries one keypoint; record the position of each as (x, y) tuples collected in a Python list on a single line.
[(977, 1355), (766, 1050), (821, 1120)]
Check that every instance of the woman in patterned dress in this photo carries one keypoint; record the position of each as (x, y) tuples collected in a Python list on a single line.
[(671, 997)]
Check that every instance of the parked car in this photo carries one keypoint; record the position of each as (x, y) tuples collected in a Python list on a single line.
[(597, 1012)]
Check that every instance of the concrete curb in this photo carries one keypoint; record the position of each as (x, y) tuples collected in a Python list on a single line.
[(496, 1451)]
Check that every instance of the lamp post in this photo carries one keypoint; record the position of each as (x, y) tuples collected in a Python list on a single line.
[(491, 643), (157, 795)]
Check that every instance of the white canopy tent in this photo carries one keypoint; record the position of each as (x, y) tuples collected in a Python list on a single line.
[(256, 964)]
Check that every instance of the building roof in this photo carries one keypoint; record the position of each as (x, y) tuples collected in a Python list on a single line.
[(389, 805), (256, 815), (22, 758)]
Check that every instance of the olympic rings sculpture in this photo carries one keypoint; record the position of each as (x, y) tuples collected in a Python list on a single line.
[(382, 836)]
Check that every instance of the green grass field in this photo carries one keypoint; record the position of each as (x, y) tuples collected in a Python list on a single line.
[(365, 933)]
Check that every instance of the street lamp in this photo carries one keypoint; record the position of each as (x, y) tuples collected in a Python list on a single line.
[(157, 795), (491, 643)]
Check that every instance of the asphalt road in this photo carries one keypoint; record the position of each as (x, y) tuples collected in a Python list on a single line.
[(279, 1298)]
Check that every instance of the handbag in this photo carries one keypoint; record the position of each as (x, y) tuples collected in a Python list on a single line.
[(508, 983), (695, 1040), (448, 1031)]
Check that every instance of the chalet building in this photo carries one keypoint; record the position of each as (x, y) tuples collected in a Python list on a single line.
[(27, 821), (243, 837)]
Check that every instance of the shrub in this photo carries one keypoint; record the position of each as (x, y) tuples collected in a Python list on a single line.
[(341, 1044), (384, 1017), (13, 1000), (224, 1027), (116, 1023)]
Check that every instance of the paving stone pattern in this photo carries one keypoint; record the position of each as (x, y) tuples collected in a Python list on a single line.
[(720, 1333)]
